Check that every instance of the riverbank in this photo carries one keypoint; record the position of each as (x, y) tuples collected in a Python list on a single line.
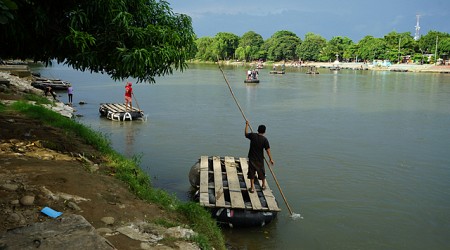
[(425, 68), (404, 67), (51, 166)]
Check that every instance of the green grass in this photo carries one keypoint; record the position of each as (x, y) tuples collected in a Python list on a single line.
[(36, 98), (128, 171), (2, 107)]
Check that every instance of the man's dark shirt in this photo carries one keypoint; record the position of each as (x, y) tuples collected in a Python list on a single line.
[(257, 145)]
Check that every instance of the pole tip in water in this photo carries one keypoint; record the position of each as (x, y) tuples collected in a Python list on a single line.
[(295, 216)]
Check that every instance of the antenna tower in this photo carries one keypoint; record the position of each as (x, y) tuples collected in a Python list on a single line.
[(417, 35)]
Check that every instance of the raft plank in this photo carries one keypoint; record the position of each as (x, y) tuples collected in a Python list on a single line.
[(119, 108), (110, 107), (270, 198), (116, 106), (204, 196), (218, 182), (256, 203), (237, 201)]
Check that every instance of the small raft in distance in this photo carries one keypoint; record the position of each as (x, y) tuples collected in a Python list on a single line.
[(222, 185), (274, 72), (312, 70), (118, 112), (251, 80)]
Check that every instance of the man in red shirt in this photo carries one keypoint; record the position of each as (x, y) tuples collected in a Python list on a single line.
[(128, 93)]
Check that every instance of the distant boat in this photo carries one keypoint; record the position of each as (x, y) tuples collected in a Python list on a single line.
[(335, 67), (252, 76), (277, 72), (312, 70), (399, 70), (252, 80)]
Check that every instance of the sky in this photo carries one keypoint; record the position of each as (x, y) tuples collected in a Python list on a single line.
[(354, 19)]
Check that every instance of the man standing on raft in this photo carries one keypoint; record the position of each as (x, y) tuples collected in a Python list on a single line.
[(258, 142), (128, 93)]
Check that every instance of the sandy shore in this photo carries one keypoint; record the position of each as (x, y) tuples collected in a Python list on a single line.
[(428, 68), (404, 67)]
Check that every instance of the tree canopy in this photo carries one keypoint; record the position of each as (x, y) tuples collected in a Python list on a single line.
[(225, 44), (249, 47), (282, 45), (428, 42), (123, 38), (311, 47)]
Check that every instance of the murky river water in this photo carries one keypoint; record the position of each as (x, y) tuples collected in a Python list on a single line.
[(363, 156)]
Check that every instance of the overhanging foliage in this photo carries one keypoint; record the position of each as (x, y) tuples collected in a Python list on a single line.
[(123, 38)]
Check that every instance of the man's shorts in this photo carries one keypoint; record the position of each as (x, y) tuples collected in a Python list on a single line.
[(256, 167)]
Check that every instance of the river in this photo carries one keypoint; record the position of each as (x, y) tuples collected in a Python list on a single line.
[(362, 156)]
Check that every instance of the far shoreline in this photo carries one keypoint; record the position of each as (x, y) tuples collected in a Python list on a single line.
[(404, 67)]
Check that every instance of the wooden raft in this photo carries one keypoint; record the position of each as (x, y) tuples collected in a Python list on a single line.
[(216, 171), (118, 111)]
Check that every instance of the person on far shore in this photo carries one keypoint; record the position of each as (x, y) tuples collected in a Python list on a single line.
[(258, 142), (128, 93), (70, 94)]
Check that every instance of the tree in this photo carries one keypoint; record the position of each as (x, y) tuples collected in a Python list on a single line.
[(240, 54), (371, 48), (351, 52), (335, 48), (6, 8), (427, 43), (444, 49), (225, 44), (444, 45), (310, 48), (398, 44), (282, 45), (204, 49), (123, 38), (250, 45)]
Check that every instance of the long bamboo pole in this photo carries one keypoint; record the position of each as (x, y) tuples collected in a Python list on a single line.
[(245, 118), (136, 102)]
